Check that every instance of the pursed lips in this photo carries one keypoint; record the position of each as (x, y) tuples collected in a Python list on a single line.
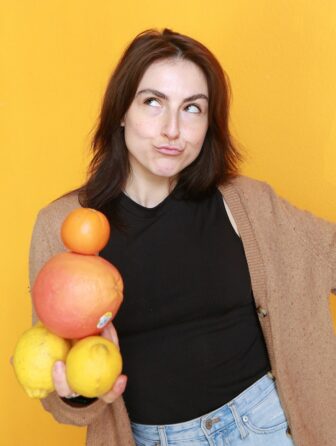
[(169, 150)]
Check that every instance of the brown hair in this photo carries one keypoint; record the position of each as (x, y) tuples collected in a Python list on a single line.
[(109, 168)]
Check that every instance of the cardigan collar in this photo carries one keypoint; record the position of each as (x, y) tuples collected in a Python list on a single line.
[(235, 200)]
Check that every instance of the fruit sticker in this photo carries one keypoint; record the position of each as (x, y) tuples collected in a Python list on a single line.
[(104, 319)]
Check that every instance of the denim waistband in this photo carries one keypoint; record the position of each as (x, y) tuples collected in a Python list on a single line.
[(218, 418)]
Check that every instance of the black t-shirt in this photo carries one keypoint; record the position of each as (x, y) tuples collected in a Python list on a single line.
[(189, 334)]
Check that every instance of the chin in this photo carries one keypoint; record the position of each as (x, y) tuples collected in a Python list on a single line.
[(168, 173)]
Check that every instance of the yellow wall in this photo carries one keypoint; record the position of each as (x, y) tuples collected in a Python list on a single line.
[(56, 57)]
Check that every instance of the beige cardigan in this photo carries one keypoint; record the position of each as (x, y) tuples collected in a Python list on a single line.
[(291, 256)]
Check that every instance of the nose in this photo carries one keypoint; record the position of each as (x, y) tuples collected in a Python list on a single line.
[(171, 126)]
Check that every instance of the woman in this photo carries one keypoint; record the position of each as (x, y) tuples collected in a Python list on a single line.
[(225, 330)]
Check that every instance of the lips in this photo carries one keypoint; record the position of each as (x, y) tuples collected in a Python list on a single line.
[(169, 150)]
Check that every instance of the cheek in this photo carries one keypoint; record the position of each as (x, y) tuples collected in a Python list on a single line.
[(196, 135), (140, 130)]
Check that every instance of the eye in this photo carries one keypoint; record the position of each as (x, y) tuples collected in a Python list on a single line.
[(153, 102), (193, 108)]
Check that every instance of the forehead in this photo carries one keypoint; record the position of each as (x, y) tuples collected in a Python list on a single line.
[(175, 75)]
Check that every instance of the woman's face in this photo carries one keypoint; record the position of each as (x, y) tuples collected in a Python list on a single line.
[(167, 121)]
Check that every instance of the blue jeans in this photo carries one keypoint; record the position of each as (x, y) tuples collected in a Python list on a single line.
[(253, 418)]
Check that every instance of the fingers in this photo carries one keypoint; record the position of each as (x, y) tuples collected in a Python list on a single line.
[(60, 381), (63, 389), (59, 376), (109, 332), (116, 391)]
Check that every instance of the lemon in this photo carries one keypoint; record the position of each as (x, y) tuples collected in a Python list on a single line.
[(92, 366), (34, 356)]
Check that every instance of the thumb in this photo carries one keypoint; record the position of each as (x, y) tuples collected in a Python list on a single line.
[(110, 333), (60, 382)]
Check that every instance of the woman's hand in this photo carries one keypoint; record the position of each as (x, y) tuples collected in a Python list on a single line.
[(119, 386), (62, 387)]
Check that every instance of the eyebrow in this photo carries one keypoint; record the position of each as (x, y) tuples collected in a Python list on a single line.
[(163, 96)]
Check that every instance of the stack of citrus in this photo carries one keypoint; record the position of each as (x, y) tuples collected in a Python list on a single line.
[(76, 294)]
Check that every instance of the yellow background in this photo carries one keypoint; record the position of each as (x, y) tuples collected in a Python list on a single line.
[(56, 57)]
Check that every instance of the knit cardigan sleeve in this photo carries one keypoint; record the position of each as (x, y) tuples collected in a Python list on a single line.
[(41, 249), (318, 233)]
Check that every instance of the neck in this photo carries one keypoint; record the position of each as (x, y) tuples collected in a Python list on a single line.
[(148, 193)]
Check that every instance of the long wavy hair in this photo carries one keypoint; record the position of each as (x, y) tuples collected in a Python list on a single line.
[(109, 168)]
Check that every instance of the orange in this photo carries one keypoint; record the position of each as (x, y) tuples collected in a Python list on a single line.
[(85, 231), (76, 296)]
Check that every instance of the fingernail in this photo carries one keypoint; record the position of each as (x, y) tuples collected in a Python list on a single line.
[(122, 385), (58, 366)]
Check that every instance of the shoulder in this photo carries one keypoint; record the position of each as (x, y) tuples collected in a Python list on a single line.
[(263, 204), (253, 194), (50, 218), (46, 236), (270, 214), (57, 210), (249, 185)]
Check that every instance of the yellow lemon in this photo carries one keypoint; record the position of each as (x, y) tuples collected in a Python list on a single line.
[(92, 366), (34, 356)]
